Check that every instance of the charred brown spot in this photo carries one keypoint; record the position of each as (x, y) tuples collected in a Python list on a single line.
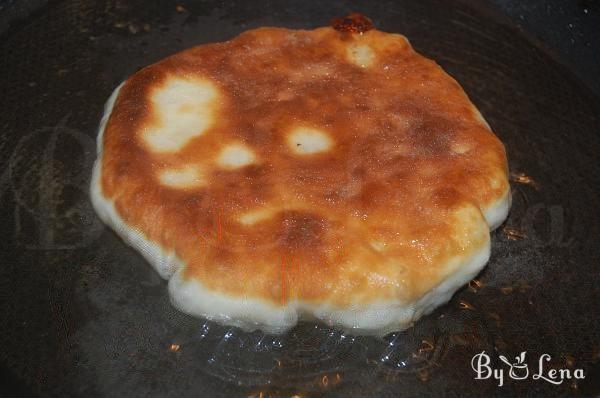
[(352, 23)]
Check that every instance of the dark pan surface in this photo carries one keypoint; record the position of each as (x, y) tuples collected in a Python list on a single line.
[(83, 315)]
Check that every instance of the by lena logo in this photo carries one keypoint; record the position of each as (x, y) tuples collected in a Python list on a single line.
[(519, 369)]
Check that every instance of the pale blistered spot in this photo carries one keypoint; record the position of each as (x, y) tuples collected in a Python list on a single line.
[(306, 141), (460, 148), (235, 156), (254, 216), (361, 55), (183, 109), (182, 178)]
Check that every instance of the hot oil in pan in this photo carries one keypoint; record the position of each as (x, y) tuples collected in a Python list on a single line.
[(315, 357)]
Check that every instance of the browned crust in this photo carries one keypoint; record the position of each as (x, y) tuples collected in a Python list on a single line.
[(391, 176)]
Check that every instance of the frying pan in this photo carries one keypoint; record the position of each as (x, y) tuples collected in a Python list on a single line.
[(83, 315)]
